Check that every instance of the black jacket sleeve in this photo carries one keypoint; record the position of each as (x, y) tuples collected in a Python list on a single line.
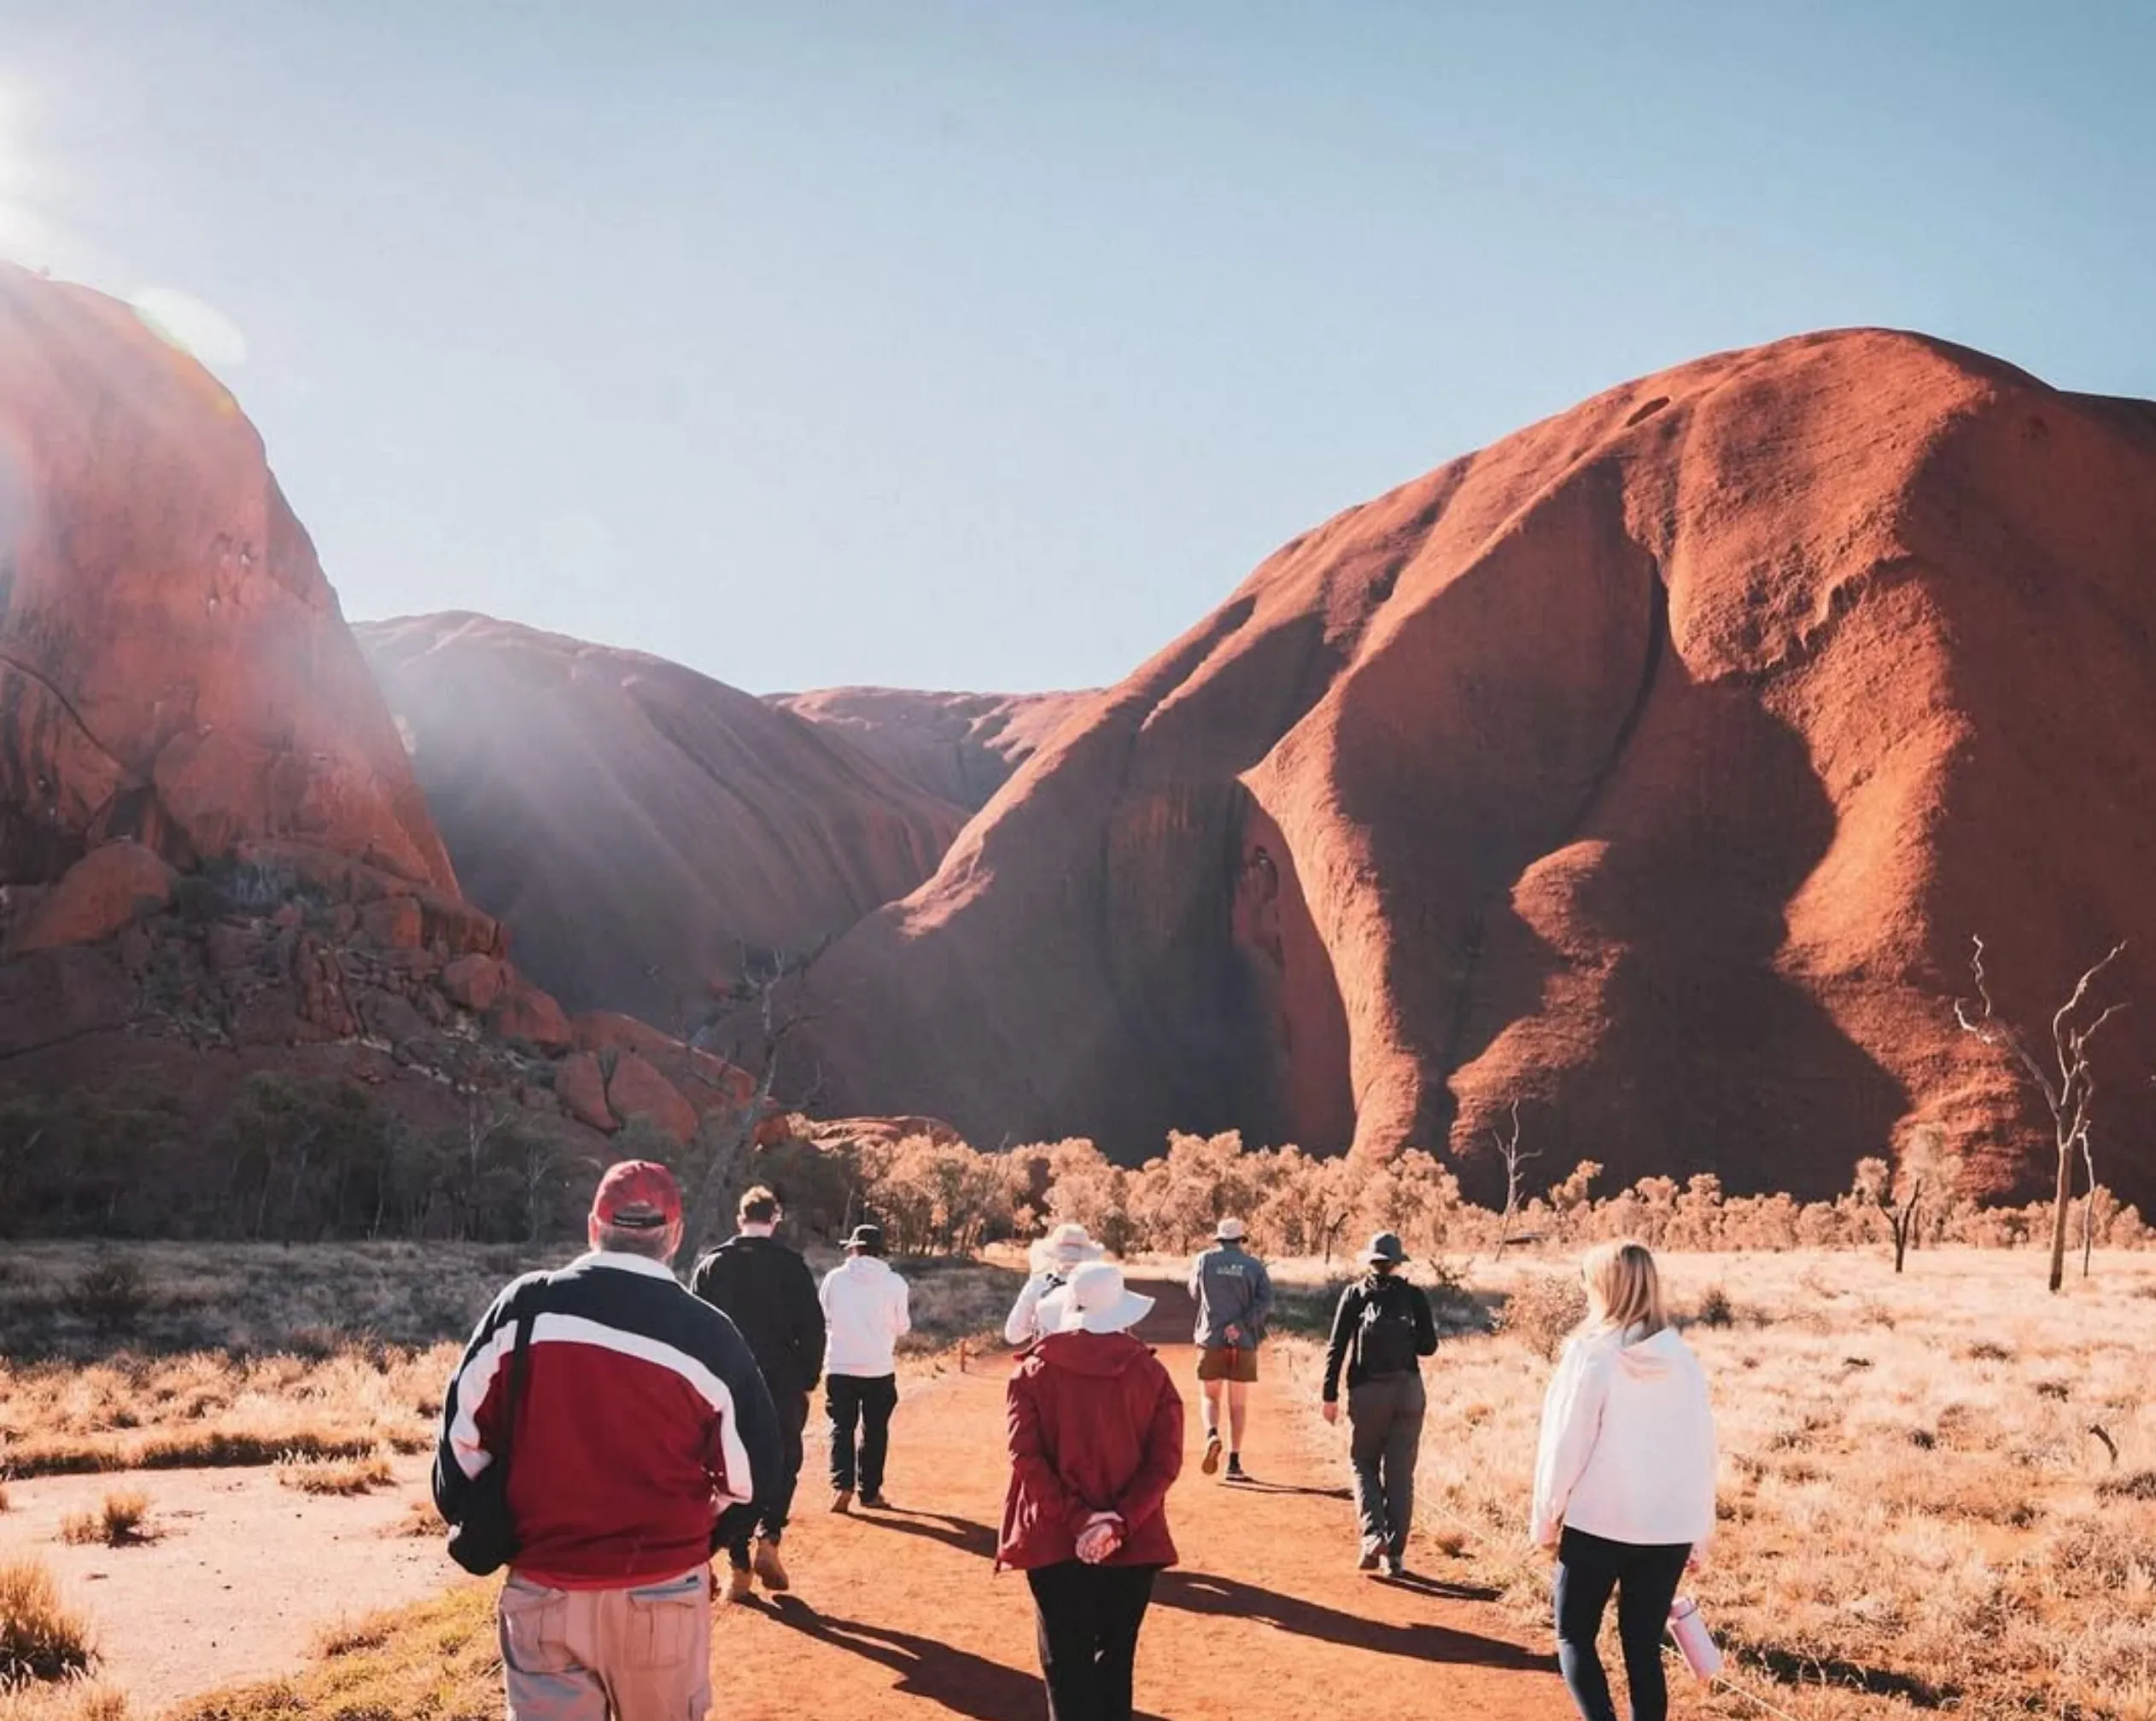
[(1425, 1323), (1346, 1319), (804, 1320), (756, 1425), (481, 1377)]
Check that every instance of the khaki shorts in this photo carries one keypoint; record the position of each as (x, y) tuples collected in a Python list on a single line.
[(1227, 1363), (579, 1654)]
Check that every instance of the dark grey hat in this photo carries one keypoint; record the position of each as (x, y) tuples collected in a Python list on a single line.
[(1384, 1246)]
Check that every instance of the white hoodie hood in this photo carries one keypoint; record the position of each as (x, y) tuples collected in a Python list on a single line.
[(1627, 1449)]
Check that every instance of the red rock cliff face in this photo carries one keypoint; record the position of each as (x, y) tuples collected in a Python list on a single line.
[(172, 664), (638, 826), (1653, 766), (959, 747)]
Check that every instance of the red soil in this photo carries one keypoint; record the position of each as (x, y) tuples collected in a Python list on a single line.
[(1653, 766), (899, 1613)]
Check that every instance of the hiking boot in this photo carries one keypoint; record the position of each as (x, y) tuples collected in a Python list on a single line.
[(1392, 1566), (875, 1502), (1212, 1460), (842, 1501), (770, 1570), (1235, 1472), (1368, 1560), (737, 1586)]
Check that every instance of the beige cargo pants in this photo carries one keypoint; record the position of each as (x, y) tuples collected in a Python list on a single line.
[(641, 1655)]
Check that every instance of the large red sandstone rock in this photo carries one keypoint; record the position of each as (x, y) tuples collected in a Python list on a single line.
[(636, 1090), (959, 747), (172, 664), (525, 1011), (581, 1086), (100, 893), (1653, 766), (639, 827)]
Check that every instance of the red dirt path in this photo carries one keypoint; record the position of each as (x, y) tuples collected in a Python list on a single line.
[(898, 1614)]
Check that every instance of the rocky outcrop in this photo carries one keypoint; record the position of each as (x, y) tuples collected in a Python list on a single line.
[(647, 834), (174, 668), (1652, 768), (959, 747), (105, 890)]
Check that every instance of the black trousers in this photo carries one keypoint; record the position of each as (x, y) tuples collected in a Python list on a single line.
[(1087, 1619), (1645, 1578), (860, 1408), (793, 1417)]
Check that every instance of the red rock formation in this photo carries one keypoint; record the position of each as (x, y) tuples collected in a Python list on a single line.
[(636, 1090), (640, 826), (172, 664), (581, 1086), (1653, 766), (101, 893), (959, 747)]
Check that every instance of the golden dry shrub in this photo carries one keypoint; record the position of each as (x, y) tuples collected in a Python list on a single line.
[(1543, 1311), (41, 1637)]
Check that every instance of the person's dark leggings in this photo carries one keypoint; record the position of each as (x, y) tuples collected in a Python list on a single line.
[(1087, 1619), (860, 1406), (1646, 1579), (793, 1417)]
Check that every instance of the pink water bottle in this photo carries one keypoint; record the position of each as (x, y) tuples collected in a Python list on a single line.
[(1694, 1641)]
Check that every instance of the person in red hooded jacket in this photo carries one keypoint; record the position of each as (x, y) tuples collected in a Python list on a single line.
[(1096, 1442)]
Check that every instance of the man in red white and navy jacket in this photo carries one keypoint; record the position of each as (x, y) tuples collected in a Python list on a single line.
[(644, 1424)]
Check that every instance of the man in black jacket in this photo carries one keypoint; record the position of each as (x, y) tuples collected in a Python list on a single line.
[(770, 1295), (1381, 1330)]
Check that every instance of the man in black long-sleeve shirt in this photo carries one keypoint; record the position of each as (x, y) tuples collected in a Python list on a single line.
[(769, 1292), (1382, 1329)]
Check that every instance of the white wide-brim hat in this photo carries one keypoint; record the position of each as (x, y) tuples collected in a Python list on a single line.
[(1068, 1246), (1228, 1231), (1096, 1300)]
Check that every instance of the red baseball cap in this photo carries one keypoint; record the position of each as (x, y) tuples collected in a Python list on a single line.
[(637, 1195)]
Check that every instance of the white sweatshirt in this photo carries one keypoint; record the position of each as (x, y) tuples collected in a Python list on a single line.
[(1038, 1310), (1628, 1448), (865, 1316)]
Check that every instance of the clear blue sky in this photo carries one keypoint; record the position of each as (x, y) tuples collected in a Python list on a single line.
[(989, 345)]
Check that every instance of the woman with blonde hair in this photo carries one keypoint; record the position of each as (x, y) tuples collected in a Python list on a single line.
[(1624, 1483)]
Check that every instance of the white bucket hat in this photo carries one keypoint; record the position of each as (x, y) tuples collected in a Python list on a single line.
[(1098, 1302), (1228, 1231), (1068, 1246)]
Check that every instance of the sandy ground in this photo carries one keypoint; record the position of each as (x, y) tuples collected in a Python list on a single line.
[(241, 1573)]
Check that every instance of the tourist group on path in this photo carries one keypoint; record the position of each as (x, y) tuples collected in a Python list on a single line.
[(608, 1433)]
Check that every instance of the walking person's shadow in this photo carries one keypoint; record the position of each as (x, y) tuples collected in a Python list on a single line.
[(956, 1680), (961, 1533), (1204, 1592)]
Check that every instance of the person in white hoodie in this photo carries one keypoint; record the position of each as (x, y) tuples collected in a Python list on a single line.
[(1624, 1482), (865, 1316), (1039, 1309)]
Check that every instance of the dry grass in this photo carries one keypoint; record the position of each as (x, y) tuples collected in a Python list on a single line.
[(440, 1660), (344, 1476), (270, 1392), (1916, 1512), (42, 1639), (121, 1520), (202, 1410)]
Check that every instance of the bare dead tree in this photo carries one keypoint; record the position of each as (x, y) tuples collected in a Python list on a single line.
[(772, 1012), (1516, 1159), (2069, 1091), (1927, 1170)]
